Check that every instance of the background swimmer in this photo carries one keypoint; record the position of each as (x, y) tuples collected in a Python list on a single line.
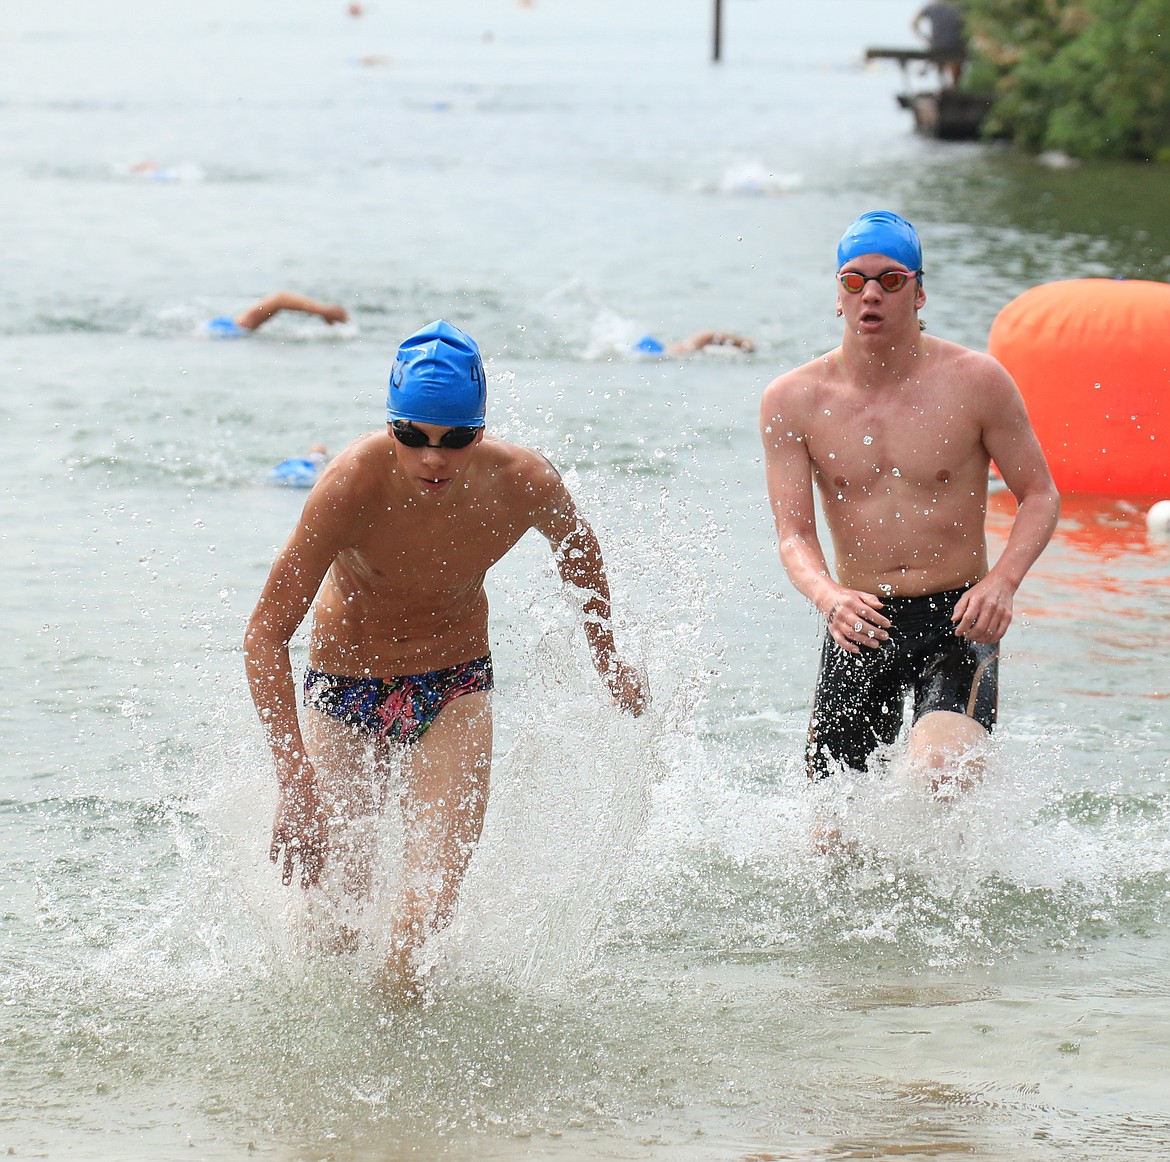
[(300, 471), (226, 327), (648, 345)]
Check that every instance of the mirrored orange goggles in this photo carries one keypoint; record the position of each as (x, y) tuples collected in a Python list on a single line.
[(889, 280)]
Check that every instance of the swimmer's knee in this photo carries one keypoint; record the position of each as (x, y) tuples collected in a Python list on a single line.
[(945, 724), (948, 748), (943, 735)]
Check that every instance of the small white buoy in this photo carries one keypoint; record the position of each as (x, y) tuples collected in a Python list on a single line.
[(1158, 518)]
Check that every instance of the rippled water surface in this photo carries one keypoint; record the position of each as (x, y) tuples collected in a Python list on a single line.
[(649, 961)]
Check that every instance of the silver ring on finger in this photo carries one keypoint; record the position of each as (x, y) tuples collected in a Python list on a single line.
[(857, 627)]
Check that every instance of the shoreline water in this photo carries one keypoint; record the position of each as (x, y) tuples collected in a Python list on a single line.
[(649, 962)]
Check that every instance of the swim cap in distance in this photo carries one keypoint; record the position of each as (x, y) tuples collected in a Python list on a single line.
[(438, 378), (297, 471), (881, 232), (224, 327), (648, 345)]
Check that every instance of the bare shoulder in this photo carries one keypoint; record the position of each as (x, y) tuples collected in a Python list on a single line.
[(344, 501), (357, 474), (530, 487), (515, 467), (976, 372), (791, 398)]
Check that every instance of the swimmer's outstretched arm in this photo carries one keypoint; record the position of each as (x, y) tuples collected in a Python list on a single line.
[(261, 312), (701, 339)]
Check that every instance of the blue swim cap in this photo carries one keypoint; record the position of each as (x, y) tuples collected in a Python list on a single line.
[(224, 327), (438, 379), (881, 232), (648, 345), (297, 472)]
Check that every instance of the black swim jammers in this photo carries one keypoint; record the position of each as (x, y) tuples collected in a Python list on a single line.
[(396, 709), (859, 697)]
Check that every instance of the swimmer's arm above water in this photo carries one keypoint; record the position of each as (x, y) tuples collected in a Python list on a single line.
[(299, 828), (262, 311), (701, 339), (331, 514), (984, 613), (579, 562), (790, 493)]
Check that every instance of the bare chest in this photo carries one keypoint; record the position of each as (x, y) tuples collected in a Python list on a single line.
[(429, 557), (893, 445)]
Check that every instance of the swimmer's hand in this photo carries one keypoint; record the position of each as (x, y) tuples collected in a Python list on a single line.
[(299, 832), (855, 620), (984, 612), (626, 685)]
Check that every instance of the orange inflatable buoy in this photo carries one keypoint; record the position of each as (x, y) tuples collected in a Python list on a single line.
[(1092, 360)]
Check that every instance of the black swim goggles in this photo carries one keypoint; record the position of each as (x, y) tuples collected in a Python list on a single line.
[(406, 433), (889, 280)]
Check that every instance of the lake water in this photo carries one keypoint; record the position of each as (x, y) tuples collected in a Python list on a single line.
[(649, 961)]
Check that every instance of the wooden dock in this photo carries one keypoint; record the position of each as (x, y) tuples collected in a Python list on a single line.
[(905, 56), (947, 113)]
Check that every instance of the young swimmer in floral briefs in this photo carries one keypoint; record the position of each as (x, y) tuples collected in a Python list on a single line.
[(393, 545)]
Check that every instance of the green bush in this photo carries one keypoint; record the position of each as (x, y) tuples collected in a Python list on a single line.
[(1091, 78)]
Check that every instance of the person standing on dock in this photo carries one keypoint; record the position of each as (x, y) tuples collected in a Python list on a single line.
[(942, 26), (897, 430)]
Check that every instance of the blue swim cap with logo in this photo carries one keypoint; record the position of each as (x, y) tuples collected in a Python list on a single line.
[(881, 232), (438, 379)]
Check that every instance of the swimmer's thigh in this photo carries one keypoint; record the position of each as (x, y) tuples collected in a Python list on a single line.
[(961, 678), (353, 772), (857, 708), (955, 702), (445, 778)]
